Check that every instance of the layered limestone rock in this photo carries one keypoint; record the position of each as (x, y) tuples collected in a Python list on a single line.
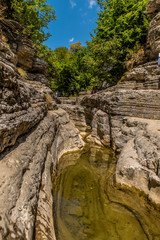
[(100, 125), (153, 42), (146, 76), (21, 177), (21, 106), (138, 103), (139, 162), (25, 94), (77, 116), (34, 134)]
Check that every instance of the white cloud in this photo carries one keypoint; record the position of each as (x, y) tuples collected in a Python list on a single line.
[(71, 40), (73, 4), (92, 3)]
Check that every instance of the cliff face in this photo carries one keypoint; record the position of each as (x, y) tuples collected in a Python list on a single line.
[(127, 117), (34, 133)]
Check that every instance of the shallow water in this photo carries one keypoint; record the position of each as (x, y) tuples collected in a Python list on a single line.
[(89, 206)]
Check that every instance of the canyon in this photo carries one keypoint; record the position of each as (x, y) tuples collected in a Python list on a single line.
[(35, 131)]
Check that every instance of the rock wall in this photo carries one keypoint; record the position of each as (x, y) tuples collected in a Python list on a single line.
[(23, 171), (34, 134)]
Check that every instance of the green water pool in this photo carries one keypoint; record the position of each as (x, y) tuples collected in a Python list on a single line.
[(89, 206)]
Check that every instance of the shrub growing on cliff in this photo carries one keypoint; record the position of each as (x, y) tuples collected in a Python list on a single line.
[(35, 15)]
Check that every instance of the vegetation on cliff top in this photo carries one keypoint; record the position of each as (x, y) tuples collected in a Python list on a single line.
[(121, 27)]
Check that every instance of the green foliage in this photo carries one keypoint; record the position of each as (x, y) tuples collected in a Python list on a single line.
[(70, 71), (35, 15), (75, 47), (121, 25)]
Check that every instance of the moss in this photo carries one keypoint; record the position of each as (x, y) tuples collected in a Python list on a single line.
[(22, 72), (49, 98)]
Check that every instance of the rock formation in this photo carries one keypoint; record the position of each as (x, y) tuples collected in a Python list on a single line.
[(34, 134)]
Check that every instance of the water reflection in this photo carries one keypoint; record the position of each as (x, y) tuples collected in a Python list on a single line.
[(89, 207)]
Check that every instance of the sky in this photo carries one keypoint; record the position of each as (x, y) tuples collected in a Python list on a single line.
[(75, 21)]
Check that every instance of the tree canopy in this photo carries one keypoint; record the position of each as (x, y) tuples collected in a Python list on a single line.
[(121, 25), (35, 15), (70, 71)]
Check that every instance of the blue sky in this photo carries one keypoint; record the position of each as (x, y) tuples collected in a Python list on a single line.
[(75, 20)]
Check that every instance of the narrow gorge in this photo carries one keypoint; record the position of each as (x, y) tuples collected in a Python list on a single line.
[(36, 133)]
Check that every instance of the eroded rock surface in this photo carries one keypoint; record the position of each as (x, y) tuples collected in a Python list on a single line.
[(139, 162), (21, 105), (131, 123), (153, 8), (21, 175), (34, 134), (77, 116)]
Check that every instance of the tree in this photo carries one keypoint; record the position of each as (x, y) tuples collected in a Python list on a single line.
[(121, 25), (35, 15), (62, 53), (75, 47)]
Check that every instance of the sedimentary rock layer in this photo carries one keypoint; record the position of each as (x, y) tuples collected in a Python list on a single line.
[(21, 176)]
